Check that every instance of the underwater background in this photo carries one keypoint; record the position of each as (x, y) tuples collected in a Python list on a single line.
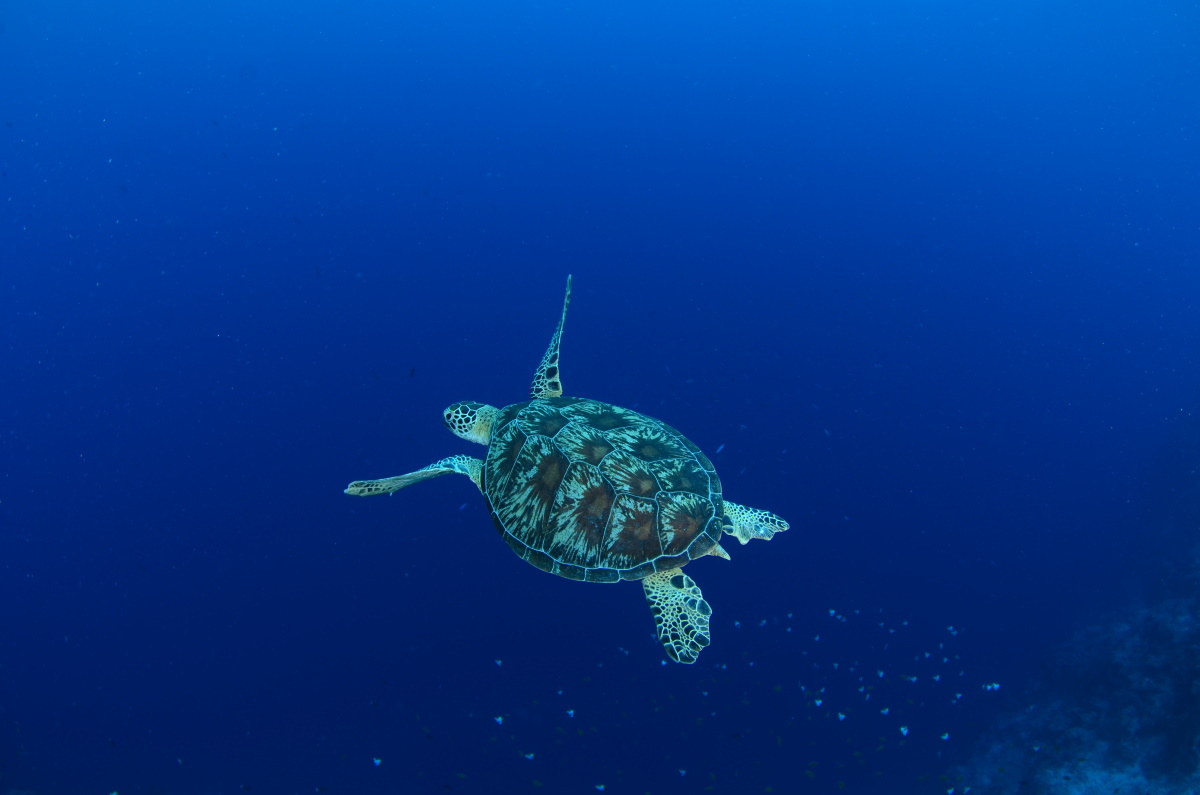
[(920, 277)]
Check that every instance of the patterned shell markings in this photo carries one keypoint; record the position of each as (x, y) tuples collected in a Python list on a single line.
[(595, 492)]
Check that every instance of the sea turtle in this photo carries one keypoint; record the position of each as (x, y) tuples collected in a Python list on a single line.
[(594, 492)]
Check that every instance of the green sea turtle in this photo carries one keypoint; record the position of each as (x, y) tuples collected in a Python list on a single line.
[(594, 492)]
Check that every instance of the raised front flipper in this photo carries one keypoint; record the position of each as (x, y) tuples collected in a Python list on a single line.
[(751, 523), (547, 381), (461, 464), (680, 613)]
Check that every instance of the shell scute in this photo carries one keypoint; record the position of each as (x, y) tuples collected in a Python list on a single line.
[(530, 487), (576, 524), (630, 474), (683, 515), (580, 442)]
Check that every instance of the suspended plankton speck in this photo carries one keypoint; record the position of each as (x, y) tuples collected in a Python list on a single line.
[(462, 507), (841, 716), (904, 730), (883, 711), (570, 713), (817, 702), (498, 662), (377, 761), (682, 772), (499, 720), (945, 735), (529, 756), (600, 787), (719, 448)]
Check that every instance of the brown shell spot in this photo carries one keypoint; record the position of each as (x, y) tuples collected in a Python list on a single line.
[(682, 517), (551, 424), (575, 527), (632, 533), (523, 504), (629, 475), (549, 474), (606, 419), (504, 458), (594, 450), (682, 474), (649, 450)]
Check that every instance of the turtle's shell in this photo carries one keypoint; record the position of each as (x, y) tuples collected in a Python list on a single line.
[(591, 491)]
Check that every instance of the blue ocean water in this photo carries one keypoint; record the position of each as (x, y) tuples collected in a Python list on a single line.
[(920, 277)]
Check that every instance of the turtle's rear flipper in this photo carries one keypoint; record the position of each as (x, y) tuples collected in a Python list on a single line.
[(462, 464), (748, 523), (680, 613)]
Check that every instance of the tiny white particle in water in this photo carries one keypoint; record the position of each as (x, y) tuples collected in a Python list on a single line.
[(719, 449)]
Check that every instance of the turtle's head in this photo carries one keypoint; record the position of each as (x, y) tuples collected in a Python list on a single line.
[(471, 421)]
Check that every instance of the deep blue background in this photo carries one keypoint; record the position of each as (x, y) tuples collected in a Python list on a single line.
[(927, 270)]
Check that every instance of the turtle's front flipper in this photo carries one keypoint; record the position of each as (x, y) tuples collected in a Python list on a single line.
[(751, 523), (547, 381), (680, 613), (462, 464)]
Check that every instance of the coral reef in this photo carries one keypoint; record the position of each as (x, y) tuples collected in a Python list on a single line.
[(1119, 713)]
